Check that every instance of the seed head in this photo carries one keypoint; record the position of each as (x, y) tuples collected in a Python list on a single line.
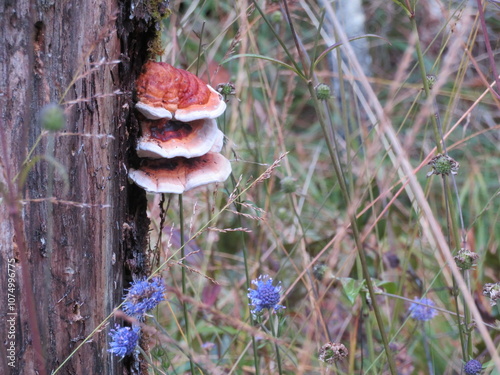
[(323, 92), (443, 165), (332, 352), (226, 89), (492, 292), (465, 259), (319, 271), (288, 185)]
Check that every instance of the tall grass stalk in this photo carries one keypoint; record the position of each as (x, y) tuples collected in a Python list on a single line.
[(244, 251), (356, 234), (184, 281), (466, 343)]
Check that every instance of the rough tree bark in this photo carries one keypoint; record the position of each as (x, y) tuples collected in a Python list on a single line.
[(70, 250)]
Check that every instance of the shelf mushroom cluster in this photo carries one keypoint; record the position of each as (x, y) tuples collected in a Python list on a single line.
[(180, 140)]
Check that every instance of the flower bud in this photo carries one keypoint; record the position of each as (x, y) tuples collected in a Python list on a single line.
[(276, 17), (465, 259), (323, 92), (431, 80), (319, 271), (226, 89), (52, 117), (332, 352), (288, 185)]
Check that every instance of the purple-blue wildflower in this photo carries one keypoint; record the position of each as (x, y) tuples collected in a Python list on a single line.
[(473, 367), (266, 296), (124, 340), (144, 295), (421, 312)]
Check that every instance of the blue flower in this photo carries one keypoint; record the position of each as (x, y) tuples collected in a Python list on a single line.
[(144, 295), (266, 296), (473, 367), (124, 340), (421, 312)]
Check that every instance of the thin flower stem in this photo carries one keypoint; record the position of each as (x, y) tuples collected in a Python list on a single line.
[(183, 270), (276, 334), (302, 55), (468, 319), (247, 281), (350, 185), (369, 336), (283, 45), (344, 189), (459, 321), (244, 250), (452, 226), (423, 74), (355, 230), (343, 115), (303, 230), (450, 216), (427, 351)]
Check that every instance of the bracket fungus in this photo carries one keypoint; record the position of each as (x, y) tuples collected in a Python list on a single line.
[(170, 138), (178, 175), (180, 141), (167, 92)]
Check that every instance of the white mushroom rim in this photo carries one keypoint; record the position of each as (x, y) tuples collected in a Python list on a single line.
[(211, 110), (170, 138), (178, 175), (153, 113)]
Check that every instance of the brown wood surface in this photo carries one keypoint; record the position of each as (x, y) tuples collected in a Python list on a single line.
[(71, 250)]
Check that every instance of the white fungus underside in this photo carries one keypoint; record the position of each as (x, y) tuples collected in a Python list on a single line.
[(218, 173), (209, 138)]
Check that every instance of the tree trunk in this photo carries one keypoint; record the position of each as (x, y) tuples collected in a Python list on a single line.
[(63, 248)]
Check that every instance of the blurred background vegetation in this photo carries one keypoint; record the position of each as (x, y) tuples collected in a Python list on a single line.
[(294, 225)]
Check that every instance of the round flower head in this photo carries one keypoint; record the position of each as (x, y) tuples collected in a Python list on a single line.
[(226, 89), (323, 91), (465, 259), (473, 367), (288, 185), (52, 117), (492, 291), (124, 340), (331, 352), (421, 312), (266, 296), (144, 295), (443, 165)]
